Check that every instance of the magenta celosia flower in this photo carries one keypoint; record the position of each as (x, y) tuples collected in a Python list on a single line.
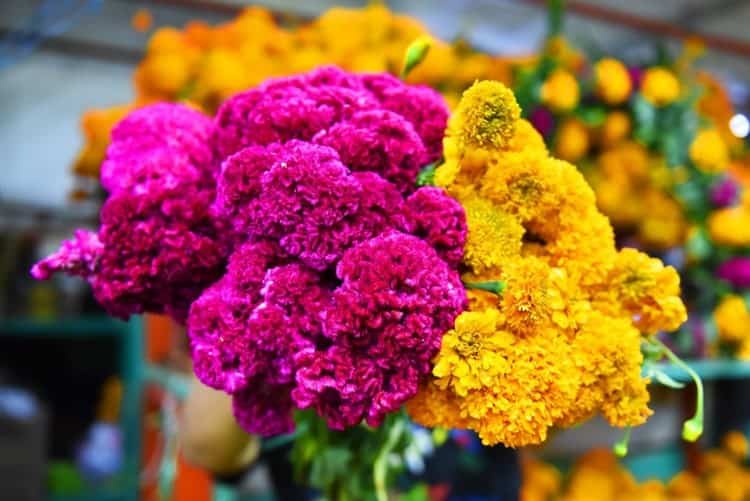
[(440, 220), (543, 121), (378, 141), (264, 409), (281, 232), (387, 318), (180, 132), (280, 111), (76, 257), (156, 248), (724, 193), (736, 271), (299, 107), (419, 104)]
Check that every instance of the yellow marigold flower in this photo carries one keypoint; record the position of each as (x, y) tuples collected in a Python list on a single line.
[(486, 116), (685, 485), (736, 444), (607, 351), (221, 75), (613, 83), (167, 73), (648, 290), (518, 183), (560, 91), (540, 480), (494, 236), (616, 128), (732, 319), (527, 300), (709, 152), (526, 401), (96, 125), (526, 137), (470, 357), (663, 224), (572, 140), (434, 407), (730, 226), (660, 86)]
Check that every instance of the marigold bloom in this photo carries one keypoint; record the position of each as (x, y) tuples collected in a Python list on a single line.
[(486, 116), (572, 140), (560, 91), (730, 226), (660, 86), (562, 342), (709, 152), (613, 83), (733, 321), (615, 128)]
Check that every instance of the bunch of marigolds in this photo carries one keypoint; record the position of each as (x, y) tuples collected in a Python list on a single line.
[(204, 64), (557, 314), (720, 474)]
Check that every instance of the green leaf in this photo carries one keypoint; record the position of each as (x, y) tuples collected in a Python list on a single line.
[(426, 176), (415, 54)]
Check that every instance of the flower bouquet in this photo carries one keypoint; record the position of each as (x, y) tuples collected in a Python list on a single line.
[(338, 256)]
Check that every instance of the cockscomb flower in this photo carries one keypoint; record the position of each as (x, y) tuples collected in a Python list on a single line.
[(556, 314), (156, 248), (289, 233)]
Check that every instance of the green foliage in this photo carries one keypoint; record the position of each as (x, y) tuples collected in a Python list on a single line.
[(343, 464), (426, 176)]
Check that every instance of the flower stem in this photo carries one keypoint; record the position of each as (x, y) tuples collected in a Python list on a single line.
[(380, 468), (494, 286), (692, 429)]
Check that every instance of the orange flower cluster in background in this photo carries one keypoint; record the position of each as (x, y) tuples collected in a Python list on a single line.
[(722, 475), (553, 332), (205, 64)]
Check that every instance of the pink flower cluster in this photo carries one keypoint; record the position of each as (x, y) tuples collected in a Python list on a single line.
[(315, 273)]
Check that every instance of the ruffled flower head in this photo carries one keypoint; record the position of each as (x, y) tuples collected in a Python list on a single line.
[(553, 333), (290, 234)]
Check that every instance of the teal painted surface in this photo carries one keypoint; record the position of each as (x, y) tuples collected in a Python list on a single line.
[(661, 464), (710, 369), (131, 370)]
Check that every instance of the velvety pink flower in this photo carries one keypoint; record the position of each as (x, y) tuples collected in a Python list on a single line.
[(76, 257), (419, 104), (440, 221), (264, 409), (724, 193), (281, 232), (278, 113), (396, 299), (378, 141), (736, 271)]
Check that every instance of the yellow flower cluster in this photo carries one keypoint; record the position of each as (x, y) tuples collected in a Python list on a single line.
[(709, 152), (721, 476), (733, 325), (731, 226), (613, 84), (206, 64), (631, 187), (553, 332), (660, 86), (560, 91)]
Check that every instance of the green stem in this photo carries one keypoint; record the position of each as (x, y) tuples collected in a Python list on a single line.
[(692, 429), (494, 286), (380, 468)]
